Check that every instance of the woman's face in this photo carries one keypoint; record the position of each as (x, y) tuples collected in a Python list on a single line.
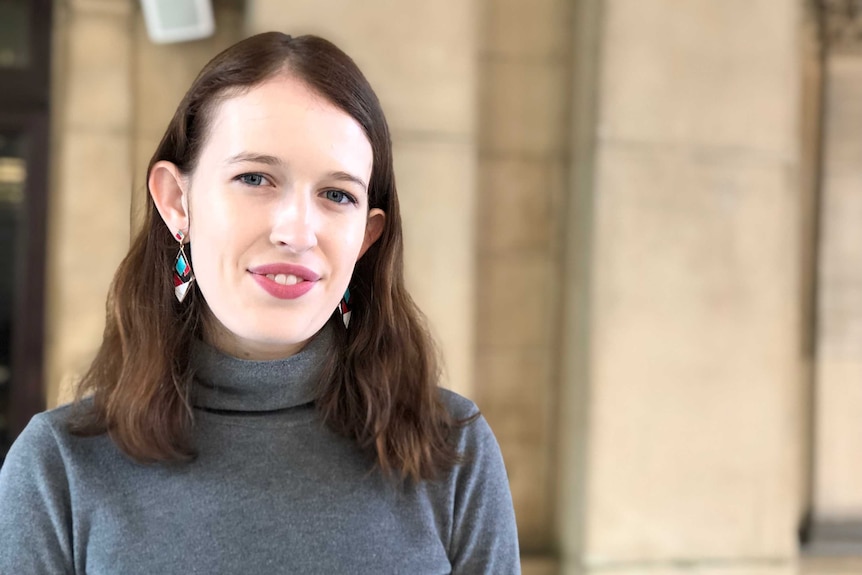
[(278, 216)]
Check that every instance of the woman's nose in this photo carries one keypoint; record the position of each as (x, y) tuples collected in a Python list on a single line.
[(294, 225)]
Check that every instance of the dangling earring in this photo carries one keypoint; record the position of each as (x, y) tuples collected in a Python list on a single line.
[(344, 309), (183, 276)]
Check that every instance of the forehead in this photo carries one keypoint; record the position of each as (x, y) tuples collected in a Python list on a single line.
[(285, 118)]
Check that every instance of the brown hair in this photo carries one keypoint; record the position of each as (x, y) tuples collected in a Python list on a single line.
[(380, 385)]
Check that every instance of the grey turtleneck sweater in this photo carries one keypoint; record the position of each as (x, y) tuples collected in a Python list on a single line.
[(272, 491)]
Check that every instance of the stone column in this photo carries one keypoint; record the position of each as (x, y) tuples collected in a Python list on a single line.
[(524, 72), (837, 501), (420, 57), (682, 337), (88, 220)]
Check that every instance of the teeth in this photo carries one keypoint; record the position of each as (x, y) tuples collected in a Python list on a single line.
[(284, 279)]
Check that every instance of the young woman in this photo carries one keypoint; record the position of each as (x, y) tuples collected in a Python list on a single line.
[(265, 398)]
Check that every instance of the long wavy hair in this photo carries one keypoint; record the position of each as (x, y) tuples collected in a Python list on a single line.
[(380, 382)]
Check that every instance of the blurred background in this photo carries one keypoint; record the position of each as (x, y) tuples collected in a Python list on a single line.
[(635, 226)]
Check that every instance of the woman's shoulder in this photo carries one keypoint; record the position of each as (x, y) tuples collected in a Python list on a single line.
[(473, 435), (484, 536), (36, 490), (458, 406), (47, 436), (35, 464), (48, 428)]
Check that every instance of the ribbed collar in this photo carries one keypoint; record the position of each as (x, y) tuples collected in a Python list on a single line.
[(227, 383)]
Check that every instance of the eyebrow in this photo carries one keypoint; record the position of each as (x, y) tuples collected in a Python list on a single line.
[(345, 177), (257, 158), (274, 161)]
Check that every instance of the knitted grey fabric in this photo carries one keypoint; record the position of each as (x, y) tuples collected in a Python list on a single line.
[(272, 491)]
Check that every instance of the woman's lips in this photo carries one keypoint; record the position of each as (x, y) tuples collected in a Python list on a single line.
[(284, 281)]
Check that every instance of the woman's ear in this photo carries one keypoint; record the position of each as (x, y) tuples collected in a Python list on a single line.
[(168, 188), (373, 229)]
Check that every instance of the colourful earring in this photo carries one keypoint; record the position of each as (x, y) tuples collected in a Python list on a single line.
[(183, 276), (344, 308)]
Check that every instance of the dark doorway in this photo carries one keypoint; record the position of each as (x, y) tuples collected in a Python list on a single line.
[(25, 38)]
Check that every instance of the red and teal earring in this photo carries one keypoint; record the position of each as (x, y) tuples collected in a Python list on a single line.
[(183, 276), (344, 308)]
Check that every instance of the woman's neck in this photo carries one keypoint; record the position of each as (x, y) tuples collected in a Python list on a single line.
[(218, 336)]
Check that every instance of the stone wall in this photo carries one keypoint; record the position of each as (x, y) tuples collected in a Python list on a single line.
[(89, 199), (524, 101), (837, 481), (685, 312)]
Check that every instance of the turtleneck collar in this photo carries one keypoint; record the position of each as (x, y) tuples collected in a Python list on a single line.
[(227, 383)]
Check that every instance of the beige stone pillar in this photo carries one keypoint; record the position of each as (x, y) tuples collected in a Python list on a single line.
[(420, 57), (838, 365), (524, 71), (680, 407), (88, 225)]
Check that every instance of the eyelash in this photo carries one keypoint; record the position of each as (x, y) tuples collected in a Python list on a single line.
[(243, 178), (344, 195)]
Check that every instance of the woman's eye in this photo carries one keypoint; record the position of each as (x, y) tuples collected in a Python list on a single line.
[(251, 179), (339, 197)]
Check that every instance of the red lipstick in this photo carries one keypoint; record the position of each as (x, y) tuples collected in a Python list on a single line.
[(307, 280)]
